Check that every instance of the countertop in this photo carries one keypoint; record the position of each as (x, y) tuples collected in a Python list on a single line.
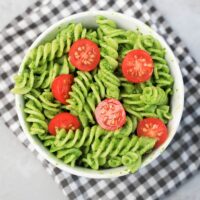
[(21, 175)]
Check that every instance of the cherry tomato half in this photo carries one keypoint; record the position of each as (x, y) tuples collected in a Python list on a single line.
[(61, 87), (110, 114), (84, 54), (137, 66), (154, 128), (63, 120)]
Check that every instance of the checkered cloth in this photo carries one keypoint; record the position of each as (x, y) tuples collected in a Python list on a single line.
[(181, 159)]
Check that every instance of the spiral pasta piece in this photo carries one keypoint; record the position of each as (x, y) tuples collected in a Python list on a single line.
[(108, 48), (111, 82), (144, 42), (136, 107), (48, 140), (81, 32), (114, 162), (126, 43), (101, 20), (23, 82), (126, 86), (91, 161), (154, 96), (133, 88), (69, 156), (38, 69), (45, 79), (163, 77), (163, 112), (110, 37), (50, 106), (35, 116), (146, 144), (132, 161), (64, 66), (93, 98), (35, 93), (92, 35), (151, 103), (108, 27), (42, 78), (79, 92)]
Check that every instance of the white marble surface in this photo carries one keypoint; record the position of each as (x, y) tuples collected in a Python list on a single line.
[(21, 175)]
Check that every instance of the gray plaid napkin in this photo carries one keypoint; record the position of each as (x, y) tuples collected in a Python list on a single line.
[(181, 159)]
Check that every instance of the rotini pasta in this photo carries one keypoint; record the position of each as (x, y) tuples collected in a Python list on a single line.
[(163, 112), (154, 96), (50, 106), (109, 63), (132, 160), (136, 107), (109, 53), (111, 82), (146, 100), (101, 146), (79, 91), (90, 145), (23, 82), (35, 116)]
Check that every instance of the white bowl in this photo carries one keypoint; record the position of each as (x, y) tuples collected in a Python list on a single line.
[(125, 22)]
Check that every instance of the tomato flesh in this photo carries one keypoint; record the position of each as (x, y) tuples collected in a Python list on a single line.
[(110, 114), (154, 128), (63, 120), (61, 87), (137, 66), (84, 54)]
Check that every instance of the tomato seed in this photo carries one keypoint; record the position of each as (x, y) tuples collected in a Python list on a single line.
[(142, 60), (155, 126), (144, 129), (149, 65), (112, 122), (103, 112), (147, 126)]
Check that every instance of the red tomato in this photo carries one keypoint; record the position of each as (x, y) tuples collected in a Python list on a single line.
[(110, 114), (61, 87), (63, 120), (137, 66), (84, 55), (154, 128)]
